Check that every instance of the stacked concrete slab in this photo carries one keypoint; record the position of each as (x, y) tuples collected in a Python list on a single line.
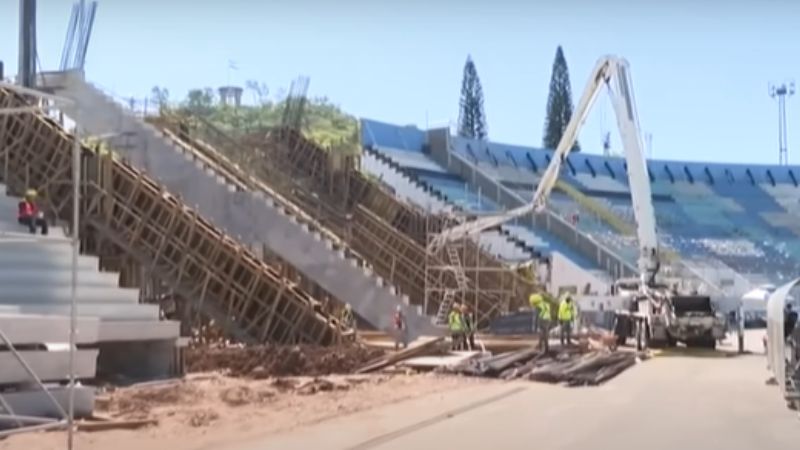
[(42, 342), (35, 289)]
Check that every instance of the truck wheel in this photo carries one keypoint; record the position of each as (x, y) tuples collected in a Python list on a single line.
[(671, 342), (621, 329), (705, 342)]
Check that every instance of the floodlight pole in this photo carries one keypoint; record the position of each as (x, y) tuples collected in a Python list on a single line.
[(76, 177), (781, 92)]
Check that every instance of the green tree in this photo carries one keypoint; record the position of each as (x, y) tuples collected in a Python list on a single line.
[(160, 96), (200, 102), (471, 116), (559, 104), (323, 121)]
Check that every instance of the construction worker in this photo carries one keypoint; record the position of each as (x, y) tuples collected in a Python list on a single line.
[(348, 319), (544, 325), (28, 213), (469, 327), (566, 316), (400, 328), (534, 300), (455, 322)]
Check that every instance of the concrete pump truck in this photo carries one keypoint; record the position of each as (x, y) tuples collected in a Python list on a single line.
[(657, 314)]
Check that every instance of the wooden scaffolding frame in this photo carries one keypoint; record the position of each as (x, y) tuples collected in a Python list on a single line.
[(247, 297), (385, 233)]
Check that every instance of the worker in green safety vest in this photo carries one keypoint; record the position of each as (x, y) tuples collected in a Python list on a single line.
[(544, 325), (455, 322), (534, 300), (566, 316)]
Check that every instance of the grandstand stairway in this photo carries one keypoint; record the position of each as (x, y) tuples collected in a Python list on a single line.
[(254, 216), (246, 297)]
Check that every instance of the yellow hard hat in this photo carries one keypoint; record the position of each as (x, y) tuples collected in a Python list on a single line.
[(30, 193)]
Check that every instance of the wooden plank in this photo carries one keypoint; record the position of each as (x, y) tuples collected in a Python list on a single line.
[(105, 425), (423, 345)]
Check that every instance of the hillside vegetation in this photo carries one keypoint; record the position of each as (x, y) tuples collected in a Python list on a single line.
[(323, 122)]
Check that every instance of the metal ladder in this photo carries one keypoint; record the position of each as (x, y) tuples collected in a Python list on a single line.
[(450, 294)]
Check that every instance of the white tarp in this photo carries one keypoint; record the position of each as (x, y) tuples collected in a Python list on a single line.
[(776, 345)]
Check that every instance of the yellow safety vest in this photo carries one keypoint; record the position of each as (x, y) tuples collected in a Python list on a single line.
[(544, 310), (566, 311), (454, 321), (535, 299)]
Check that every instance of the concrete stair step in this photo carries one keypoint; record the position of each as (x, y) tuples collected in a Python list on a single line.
[(138, 330), (48, 366), (12, 276), (106, 312), (52, 294), (36, 403), (86, 264), (36, 329)]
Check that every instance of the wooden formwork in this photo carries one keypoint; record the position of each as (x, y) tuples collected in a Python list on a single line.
[(197, 261), (411, 221), (384, 232), (369, 218)]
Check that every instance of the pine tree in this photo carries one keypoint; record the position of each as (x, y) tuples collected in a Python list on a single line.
[(471, 117), (559, 104)]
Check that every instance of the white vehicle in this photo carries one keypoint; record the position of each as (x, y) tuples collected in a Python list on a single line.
[(659, 315)]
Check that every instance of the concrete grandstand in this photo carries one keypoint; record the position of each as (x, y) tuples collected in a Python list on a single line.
[(732, 226)]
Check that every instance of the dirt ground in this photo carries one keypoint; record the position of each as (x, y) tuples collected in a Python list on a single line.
[(210, 408), (265, 361)]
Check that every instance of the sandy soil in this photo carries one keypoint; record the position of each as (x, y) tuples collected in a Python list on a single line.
[(207, 409)]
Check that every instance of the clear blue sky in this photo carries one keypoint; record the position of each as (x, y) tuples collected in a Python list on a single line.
[(700, 69)]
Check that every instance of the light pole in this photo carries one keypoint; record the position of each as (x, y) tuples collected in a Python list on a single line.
[(781, 92), (76, 176)]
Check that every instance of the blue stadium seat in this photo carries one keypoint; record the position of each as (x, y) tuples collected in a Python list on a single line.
[(745, 217)]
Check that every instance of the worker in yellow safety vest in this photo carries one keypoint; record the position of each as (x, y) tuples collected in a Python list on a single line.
[(534, 300), (566, 316), (544, 325), (455, 323)]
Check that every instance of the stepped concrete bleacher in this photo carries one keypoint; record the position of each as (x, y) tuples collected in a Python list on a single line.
[(36, 276), (459, 192), (254, 217), (42, 341), (385, 233), (740, 217), (247, 298)]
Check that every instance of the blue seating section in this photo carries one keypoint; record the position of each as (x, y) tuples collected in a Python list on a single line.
[(379, 134), (458, 192), (745, 216)]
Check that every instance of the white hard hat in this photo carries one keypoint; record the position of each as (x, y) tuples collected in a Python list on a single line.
[(347, 306), (399, 308)]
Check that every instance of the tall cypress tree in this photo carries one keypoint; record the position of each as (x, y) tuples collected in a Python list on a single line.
[(559, 104), (471, 117)]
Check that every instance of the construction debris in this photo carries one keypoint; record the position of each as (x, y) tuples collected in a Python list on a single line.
[(421, 346), (267, 361), (571, 367)]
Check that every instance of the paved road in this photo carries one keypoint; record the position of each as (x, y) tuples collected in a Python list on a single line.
[(666, 403)]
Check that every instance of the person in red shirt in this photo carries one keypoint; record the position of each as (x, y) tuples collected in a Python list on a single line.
[(400, 329), (29, 215)]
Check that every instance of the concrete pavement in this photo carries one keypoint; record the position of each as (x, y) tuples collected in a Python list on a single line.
[(663, 404)]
